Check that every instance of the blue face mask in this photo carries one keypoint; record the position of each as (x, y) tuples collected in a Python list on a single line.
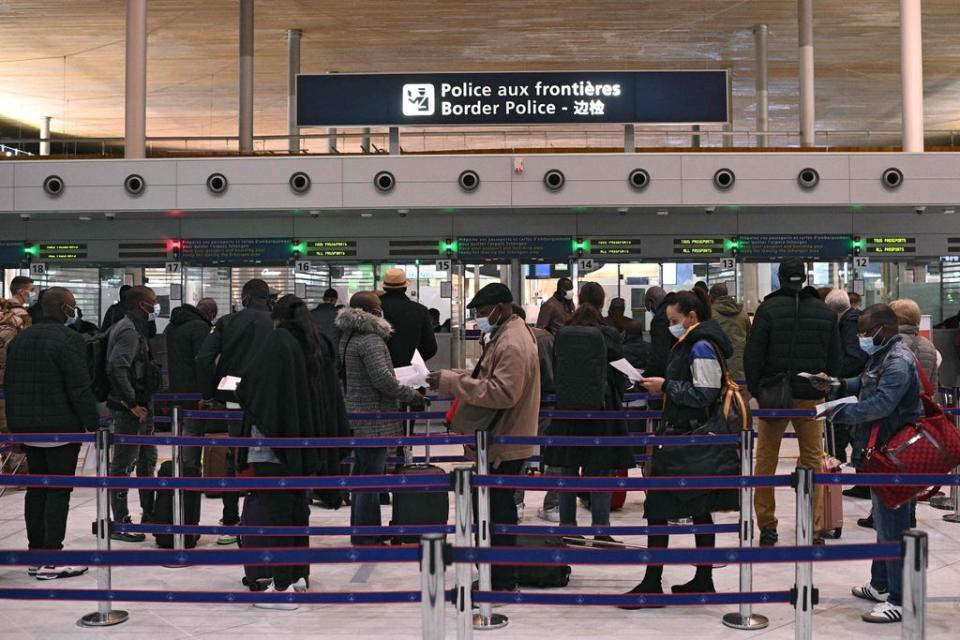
[(677, 330), (153, 315), (485, 326), (868, 346)]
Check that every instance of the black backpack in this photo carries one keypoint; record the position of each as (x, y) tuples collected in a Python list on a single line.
[(96, 348), (580, 368)]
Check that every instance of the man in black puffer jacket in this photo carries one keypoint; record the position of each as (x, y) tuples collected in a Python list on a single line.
[(189, 326), (48, 391), (793, 309)]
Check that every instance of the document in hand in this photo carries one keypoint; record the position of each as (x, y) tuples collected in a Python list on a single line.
[(414, 374), (627, 369), (829, 407), (228, 383)]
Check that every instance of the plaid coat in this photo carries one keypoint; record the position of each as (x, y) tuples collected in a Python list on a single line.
[(369, 381)]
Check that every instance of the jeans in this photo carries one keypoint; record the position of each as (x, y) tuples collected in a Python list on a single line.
[(284, 509), (810, 437), (551, 500), (503, 510), (365, 505), (599, 500), (126, 457), (890, 524), (45, 510), (191, 455)]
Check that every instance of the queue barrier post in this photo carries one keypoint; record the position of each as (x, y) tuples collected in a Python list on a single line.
[(105, 615), (432, 590), (176, 456), (915, 556), (745, 619), (485, 619), (463, 537), (950, 502), (804, 595)]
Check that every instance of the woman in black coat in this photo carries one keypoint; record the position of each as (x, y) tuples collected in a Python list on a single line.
[(691, 391), (570, 371), (289, 391)]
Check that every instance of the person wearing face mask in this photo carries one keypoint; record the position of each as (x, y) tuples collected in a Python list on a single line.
[(48, 391), (793, 332), (557, 311), (506, 381), (691, 388), (134, 378), (656, 301), (228, 350), (14, 318), (370, 385), (888, 393)]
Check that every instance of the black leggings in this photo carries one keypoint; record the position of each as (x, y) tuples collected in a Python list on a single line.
[(708, 540)]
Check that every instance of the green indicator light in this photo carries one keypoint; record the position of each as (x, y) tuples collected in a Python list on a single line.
[(301, 247), (448, 246), (581, 209), (31, 249), (857, 243), (449, 210), (733, 207), (856, 207), (730, 245), (582, 245)]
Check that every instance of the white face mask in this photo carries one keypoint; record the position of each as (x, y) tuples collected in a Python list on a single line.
[(677, 330), (568, 294), (153, 315), (72, 319), (32, 297)]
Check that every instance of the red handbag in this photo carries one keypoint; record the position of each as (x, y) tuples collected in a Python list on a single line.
[(931, 445)]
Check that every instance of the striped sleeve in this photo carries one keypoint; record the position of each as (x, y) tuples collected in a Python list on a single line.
[(705, 366)]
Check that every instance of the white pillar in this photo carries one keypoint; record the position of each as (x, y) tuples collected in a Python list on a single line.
[(807, 101), (911, 75), (135, 99), (293, 68), (760, 80), (45, 136), (246, 76)]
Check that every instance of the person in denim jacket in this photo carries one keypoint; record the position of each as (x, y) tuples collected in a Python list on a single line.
[(889, 394)]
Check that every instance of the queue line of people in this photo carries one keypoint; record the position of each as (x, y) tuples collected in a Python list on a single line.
[(308, 392)]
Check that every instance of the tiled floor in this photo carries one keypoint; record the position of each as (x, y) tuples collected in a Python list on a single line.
[(837, 616)]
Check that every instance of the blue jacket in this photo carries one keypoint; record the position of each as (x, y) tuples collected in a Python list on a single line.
[(888, 390)]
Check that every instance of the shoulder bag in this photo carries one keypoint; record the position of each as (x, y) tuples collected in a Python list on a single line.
[(776, 391)]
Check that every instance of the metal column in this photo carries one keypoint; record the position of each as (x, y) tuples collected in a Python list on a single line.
[(246, 76), (807, 101), (394, 134), (760, 81), (629, 138), (432, 592), (485, 618), (45, 136), (293, 68), (804, 593), (105, 615), (911, 75), (135, 98), (463, 537), (365, 141), (915, 550), (332, 140)]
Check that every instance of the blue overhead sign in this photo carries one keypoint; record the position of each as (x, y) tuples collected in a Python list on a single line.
[(569, 97)]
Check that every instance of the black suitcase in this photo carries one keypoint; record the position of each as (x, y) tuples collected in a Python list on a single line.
[(580, 368), (163, 508), (419, 508), (542, 576)]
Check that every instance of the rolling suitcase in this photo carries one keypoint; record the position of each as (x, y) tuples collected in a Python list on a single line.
[(830, 519), (163, 508), (214, 465), (419, 508)]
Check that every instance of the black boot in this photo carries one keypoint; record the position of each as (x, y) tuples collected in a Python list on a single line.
[(702, 582), (650, 585)]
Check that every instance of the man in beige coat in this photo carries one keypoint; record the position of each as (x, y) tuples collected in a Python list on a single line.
[(506, 379)]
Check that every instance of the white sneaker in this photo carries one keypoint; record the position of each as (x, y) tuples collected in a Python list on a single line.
[(225, 540), (32, 571), (884, 613), (279, 606), (520, 508), (300, 586), (868, 592), (550, 515), (52, 573)]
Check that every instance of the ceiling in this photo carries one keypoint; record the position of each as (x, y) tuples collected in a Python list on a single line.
[(64, 58)]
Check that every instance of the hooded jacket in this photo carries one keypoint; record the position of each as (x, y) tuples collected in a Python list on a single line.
[(733, 320), (508, 379), (817, 347), (185, 334), (280, 399), (370, 384)]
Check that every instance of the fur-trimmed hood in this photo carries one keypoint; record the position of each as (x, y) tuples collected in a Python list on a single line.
[(359, 321)]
